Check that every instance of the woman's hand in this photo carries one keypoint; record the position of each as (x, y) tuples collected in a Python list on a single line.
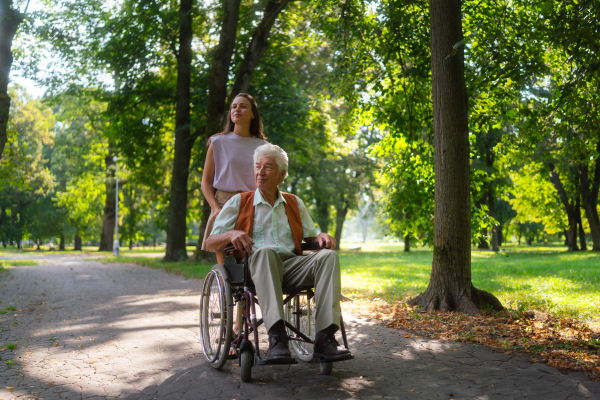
[(215, 212)]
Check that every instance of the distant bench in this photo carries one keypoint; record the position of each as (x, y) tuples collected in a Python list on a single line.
[(355, 247)]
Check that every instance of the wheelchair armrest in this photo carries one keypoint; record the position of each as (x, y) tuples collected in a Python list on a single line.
[(229, 249), (311, 246)]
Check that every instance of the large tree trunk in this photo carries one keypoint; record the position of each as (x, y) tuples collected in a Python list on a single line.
[(61, 246), (589, 198), (9, 23), (407, 243), (108, 222), (339, 225), (569, 205), (450, 287), (177, 229), (77, 243), (217, 94)]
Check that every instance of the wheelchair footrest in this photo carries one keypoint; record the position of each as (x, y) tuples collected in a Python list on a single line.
[(318, 358), (276, 361)]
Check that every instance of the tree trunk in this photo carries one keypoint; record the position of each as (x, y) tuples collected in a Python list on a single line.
[(339, 225), (77, 243), (9, 23), (257, 47), (322, 215), (589, 198), (450, 287), (217, 94), (177, 229), (61, 246), (406, 243), (108, 222), (130, 244), (582, 244), (569, 205), (495, 229)]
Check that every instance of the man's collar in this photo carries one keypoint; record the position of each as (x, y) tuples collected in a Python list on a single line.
[(258, 198)]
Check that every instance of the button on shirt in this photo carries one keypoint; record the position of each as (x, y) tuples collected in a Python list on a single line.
[(271, 226)]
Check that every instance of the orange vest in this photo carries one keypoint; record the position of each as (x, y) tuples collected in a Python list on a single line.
[(245, 221)]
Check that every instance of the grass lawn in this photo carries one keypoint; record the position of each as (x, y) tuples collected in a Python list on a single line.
[(544, 279)]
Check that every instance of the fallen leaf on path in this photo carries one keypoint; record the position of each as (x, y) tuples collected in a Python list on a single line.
[(393, 331), (407, 335), (91, 362), (410, 391), (50, 383), (325, 384), (10, 387), (453, 349), (56, 344)]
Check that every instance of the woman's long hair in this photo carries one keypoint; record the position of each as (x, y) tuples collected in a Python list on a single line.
[(256, 126)]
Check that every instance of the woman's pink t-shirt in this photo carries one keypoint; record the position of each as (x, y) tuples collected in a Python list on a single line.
[(234, 163)]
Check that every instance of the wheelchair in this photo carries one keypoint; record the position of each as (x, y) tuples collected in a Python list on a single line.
[(228, 286)]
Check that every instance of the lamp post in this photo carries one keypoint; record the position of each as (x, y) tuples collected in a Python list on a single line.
[(116, 242)]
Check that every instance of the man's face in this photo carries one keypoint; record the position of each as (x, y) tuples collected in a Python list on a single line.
[(266, 174)]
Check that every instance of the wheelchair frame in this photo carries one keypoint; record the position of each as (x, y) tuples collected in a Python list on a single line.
[(232, 286)]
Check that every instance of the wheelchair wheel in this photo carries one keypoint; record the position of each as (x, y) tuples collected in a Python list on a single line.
[(301, 314), (325, 368), (216, 317), (246, 364)]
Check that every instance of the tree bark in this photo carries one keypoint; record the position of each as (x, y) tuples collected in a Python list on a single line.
[(130, 244), (61, 246), (177, 229), (339, 225), (582, 243), (407, 243), (589, 198), (77, 243), (569, 205), (108, 222), (9, 23), (450, 286)]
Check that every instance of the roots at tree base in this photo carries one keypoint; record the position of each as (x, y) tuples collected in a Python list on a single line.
[(442, 299)]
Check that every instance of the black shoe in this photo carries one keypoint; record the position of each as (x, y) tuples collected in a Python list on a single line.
[(278, 348), (327, 349)]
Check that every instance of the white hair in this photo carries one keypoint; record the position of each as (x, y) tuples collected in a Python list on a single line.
[(276, 152)]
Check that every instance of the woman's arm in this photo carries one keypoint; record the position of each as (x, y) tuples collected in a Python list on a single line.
[(208, 177)]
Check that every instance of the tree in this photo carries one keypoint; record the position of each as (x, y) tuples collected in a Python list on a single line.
[(184, 141), (10, 19), (450, 286), (32, 123)]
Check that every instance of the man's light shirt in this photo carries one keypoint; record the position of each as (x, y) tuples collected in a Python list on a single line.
[(271, 226)]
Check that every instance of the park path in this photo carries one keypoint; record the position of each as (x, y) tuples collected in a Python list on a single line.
[(88, 330)]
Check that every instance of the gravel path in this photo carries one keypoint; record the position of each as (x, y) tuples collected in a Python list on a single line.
[(88, 330)]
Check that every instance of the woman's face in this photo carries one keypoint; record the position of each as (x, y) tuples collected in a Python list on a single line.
[(241, 111)]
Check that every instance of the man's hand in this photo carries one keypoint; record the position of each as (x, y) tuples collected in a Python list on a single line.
[(241, 241), (326, 240)]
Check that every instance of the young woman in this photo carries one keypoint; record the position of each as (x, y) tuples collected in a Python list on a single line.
[(229, 166)]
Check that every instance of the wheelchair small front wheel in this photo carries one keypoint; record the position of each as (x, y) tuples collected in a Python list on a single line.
[(246, 363), (326, 368)]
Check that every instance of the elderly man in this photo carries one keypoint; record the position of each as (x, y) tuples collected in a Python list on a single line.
[(270, 225)]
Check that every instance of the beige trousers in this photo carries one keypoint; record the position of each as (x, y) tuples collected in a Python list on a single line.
[(320, 269)]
